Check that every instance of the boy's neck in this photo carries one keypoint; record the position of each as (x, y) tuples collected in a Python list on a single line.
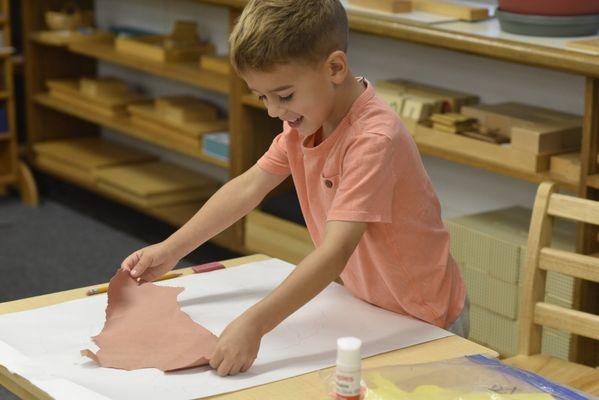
[(346, 95)]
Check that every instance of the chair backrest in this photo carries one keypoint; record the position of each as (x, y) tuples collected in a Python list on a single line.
[(540, 258)]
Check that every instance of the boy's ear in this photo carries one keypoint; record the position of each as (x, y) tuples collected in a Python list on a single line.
[(337, 67)]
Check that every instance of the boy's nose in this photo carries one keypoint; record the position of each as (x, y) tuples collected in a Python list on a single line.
[(274, 111)]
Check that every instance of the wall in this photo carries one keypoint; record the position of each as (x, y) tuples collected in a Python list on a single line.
[(461, 189)]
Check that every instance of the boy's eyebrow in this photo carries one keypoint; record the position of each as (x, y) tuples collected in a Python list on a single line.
[(278, 89)]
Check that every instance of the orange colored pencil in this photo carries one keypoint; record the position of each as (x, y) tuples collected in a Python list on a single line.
[(104, 288)]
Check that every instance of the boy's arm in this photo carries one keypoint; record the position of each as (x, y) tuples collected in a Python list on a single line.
[(231, 202), (238, 344)]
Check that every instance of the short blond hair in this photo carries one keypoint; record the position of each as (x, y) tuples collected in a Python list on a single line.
[(275, 32)]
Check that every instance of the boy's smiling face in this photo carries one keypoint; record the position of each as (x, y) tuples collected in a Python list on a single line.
[(300, 94)]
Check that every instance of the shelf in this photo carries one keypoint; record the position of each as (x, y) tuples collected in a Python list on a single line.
[(5, 136), (514, 48), (188, 72), (175, 215), (36, 37), (125, 126), (251, 100), (455, 151)]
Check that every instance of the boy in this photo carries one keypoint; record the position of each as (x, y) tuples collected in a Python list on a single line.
[(367, 201)]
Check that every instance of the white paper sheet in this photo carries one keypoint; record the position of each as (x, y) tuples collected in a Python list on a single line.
[(43, 344)]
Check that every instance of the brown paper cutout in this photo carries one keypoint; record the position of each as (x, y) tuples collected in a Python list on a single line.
[(145, 328)]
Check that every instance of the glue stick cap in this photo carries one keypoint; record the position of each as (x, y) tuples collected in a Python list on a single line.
[(348, 351)]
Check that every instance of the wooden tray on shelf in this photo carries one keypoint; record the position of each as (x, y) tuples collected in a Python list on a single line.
[(153, 47), (145, 114), (67, 90), (155, 184), (486, 152), (83, 157), (63, 38)]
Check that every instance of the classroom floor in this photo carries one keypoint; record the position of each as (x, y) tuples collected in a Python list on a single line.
[(73, 239)]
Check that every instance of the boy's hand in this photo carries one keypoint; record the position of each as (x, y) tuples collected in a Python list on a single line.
[(150, 262), (237, 347)]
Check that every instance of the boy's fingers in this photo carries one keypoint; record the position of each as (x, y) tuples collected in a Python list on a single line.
[(153, 273), (130, 262), (215, 360), (246, 365), (236, 368), (144, 263), (225, 367)]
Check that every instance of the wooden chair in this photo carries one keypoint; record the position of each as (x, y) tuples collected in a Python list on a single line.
[(534, 312)]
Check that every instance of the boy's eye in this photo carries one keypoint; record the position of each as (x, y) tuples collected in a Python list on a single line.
[(286, 98), (262, 98)]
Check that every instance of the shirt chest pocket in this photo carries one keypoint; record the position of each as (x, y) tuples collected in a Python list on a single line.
[(329, 183)]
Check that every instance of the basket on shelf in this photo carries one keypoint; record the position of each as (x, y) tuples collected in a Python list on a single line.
[(70, 17)]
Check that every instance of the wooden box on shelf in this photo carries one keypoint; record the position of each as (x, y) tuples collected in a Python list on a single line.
[(216, 63), (182, 44), (81, 158), (548, 138), (184, 109), (505, 116), (566, 166), (445, 100), (109, 100), (103, 87), (180, 122), (155, 184), (155, 48)]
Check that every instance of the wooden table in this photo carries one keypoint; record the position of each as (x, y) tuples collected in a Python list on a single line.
[(307, 386)]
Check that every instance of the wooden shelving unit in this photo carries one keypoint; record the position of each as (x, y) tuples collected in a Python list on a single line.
[(252, 131), (125, 126), (51, 118)]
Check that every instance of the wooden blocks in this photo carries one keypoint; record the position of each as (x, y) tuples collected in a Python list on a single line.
[(155, 184), (103, 87), (445, 100), (481, 151), (504, 116), (566, 166), (461, 11), (546, 139), (185, 109), (452, 122), (216, 63), (106, 97), (417, 108), (182, 118), (83, 157), (390, 6), (182, 44), (184, 34)]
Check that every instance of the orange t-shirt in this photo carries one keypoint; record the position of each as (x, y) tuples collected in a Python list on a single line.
[(369, 170)]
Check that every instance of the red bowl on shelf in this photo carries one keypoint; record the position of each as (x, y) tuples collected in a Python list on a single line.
[(550, 7)]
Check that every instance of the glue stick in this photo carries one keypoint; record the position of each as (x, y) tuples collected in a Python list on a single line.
[(347, 374)]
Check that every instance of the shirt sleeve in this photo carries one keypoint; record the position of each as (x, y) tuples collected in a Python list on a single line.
[(367, 181), (275, 160)]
